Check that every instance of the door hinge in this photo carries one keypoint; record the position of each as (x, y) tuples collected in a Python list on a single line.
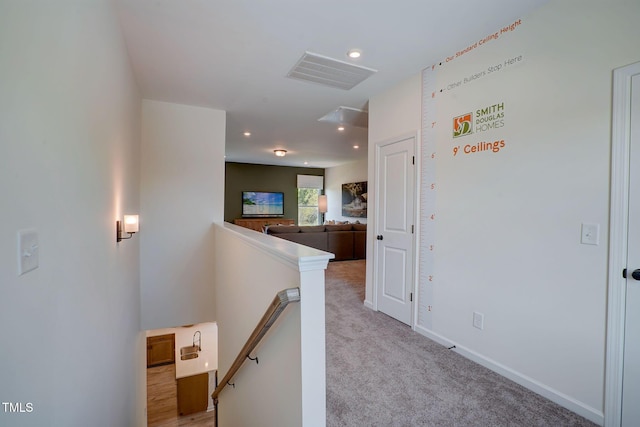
[(411, 297), (412, 229), (413, 160)]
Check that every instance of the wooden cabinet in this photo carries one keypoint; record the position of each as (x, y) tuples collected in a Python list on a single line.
[(161, 350), (258, 224), (193, 394)]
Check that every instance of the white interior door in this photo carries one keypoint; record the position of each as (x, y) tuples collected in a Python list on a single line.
[(631, 355), (395, 227)]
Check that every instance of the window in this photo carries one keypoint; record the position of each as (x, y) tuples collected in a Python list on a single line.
[(308, 213), (309, 188)]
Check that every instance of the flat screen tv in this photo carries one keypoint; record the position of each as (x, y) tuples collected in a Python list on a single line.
[(258, 204)]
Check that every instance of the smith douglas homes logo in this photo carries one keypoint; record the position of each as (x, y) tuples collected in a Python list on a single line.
[(463, 125), (483, 119)]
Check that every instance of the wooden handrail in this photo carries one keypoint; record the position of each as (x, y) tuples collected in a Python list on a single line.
[(277, 306)]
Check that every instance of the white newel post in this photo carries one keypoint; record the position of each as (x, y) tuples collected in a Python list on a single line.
[(312, 326)]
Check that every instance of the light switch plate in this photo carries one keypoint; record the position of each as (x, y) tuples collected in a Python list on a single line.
[(28, 251), (590, 234)]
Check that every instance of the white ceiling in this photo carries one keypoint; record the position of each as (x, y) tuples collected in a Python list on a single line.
[(234, 55)]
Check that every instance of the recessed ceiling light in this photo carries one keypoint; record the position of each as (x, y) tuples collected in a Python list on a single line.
[(340, 128), (356, 146), (354, 53), (280, 153), (247, 134)]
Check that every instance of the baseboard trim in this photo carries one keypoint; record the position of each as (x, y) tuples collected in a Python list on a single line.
[(368, 304), (555, 396)]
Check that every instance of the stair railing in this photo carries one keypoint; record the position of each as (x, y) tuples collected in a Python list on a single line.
[(277, 306)]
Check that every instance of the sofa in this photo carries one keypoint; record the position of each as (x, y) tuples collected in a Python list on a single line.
[(345, 241)]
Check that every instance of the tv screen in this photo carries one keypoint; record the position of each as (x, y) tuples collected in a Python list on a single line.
[(262, 204)]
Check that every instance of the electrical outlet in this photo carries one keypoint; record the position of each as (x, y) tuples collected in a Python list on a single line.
[(28, 251), (478, 320)]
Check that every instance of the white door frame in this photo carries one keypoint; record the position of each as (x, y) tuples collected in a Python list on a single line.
[(416, 219), (618, 229)]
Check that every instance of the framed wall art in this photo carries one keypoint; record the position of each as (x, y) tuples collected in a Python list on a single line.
[(354, 199)]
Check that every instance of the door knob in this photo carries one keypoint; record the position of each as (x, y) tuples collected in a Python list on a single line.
[(379, 237), (635, 274)]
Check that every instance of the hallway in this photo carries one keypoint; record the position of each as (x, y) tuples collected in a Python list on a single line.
[(381, 373)]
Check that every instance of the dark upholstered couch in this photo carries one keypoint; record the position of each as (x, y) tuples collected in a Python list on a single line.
[(345, 241)]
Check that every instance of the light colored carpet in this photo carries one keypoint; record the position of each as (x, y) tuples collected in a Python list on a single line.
[(381, 373)]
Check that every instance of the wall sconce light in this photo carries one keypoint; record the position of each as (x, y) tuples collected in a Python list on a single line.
[(131, 226), (280, 153)]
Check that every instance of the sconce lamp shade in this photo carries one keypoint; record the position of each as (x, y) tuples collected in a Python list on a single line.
[(322, 203), (131, 224)]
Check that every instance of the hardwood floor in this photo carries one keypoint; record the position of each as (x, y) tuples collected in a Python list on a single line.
[(162, 401)]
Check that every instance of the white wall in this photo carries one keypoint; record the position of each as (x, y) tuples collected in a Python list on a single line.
[(392, 114), (333, 179), (507, 234), (69, 156), (182, 193)]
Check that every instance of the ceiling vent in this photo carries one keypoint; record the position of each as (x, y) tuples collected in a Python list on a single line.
[(329, 72), (347, 116)]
